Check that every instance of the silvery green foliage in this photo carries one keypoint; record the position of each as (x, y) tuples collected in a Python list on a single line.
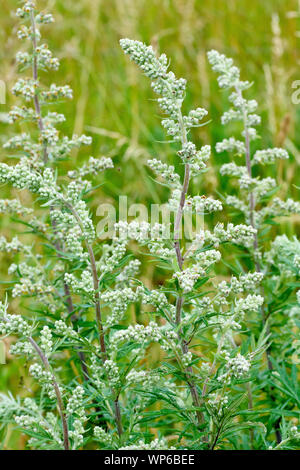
[(76, 291), (255, 191), (194, 305), (277, 259)]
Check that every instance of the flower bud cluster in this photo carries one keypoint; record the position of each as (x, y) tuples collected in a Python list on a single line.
[(118, 301), (56, 93), (153, 297), (239, 234), (238, 366), (21, 348), (238, 204), (251, 303), (111, 256), (26, 9), (196, 204), (167, 172), (44, 378), (25, 87), (93, 167), (229, 74), (61, 328), (14, 246), (244, 283), (138, 333), (83, 285), (231, 145), (285, 255), (142, 232), (218, 401), (129, 272), (195, 158), (13, 206), (112, 372), (75, 408), (268, 156), (141, 377), (101, 435), (156, 444), (14, 324), (75, 402), (231, 169), (204, 260), (32, 280), (46, 340)]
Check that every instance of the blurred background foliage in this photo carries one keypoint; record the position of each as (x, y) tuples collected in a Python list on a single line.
[(115, 105)]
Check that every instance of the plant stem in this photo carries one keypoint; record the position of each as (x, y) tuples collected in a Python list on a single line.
[(60, 404), (180, 298), (58, 247), (250, 407), (179, 215), (35, 77), (70, 306), (249, 170), (95, 279), (118, 417), (41, 126), (215, 441), (255, 246), (211, 370)]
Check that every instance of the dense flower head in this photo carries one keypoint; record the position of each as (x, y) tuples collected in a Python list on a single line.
[(145, 58), (164, 83), (229, 74), (270, 155)]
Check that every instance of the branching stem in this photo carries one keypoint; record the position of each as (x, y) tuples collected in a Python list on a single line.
[(95, 278), (255, 244), (41, 126), (180, 298), (59, 399), (117, 410)]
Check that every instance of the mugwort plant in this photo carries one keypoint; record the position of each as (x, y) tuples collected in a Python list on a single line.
[(276, 257), (73, 293)]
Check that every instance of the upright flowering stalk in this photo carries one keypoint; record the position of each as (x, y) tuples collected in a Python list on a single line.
[(50, 148), (172, 92), (259, 206), (41, 57), (222, 310)]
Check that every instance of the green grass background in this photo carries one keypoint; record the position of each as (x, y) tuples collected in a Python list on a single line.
[(114, 103)]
